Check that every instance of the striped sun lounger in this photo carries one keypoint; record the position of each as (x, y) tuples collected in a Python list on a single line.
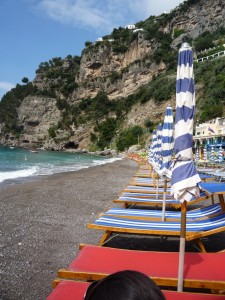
[(145, 214), (215, 189), (145, 189), (131, 200), (201, 270), (143, 195), (195, 230), (148, 182), (71, 290)]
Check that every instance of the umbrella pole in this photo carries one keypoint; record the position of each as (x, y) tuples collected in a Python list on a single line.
[(182, 247), (164, 200)]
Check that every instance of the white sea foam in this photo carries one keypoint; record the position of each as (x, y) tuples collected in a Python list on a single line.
[(48, 169), (17, 174), (107, 161)]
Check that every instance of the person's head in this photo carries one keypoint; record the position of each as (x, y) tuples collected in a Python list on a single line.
[(124, 285)]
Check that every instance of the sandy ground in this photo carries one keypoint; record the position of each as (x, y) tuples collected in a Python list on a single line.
[(44, 221)]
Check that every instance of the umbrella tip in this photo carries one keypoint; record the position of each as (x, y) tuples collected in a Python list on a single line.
[(185, 45)]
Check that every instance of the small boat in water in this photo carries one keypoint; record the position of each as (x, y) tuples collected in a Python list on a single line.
[(33, 151)]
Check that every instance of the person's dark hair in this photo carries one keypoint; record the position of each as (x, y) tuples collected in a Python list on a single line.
[(124, 285)]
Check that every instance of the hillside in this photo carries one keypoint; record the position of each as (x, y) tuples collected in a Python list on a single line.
[(120, 86)]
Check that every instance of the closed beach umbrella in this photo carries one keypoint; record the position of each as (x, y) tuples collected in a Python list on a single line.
[(212, 155), (158, 151), (157, 160), (167, 150), (197, 155), (167, 144), (220, 154), (205, 154), (152, 148), (184, 174)]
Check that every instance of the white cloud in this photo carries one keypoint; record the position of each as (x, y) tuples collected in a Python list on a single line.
[(6, 86), (145, 8), (102, 15)]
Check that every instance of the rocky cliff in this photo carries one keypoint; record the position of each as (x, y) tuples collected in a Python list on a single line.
[(118, 74)]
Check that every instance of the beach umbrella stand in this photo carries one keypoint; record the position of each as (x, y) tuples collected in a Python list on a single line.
[(184, 178)]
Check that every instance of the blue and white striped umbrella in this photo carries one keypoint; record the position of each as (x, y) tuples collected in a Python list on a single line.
[(167, 144), (220, 158), (212, 155), (158, 152), (167, 150), (184, 174), (150, 153), (197, 155), (152, 148), (205, 154)]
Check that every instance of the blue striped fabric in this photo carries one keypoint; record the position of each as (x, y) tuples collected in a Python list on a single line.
[(157, 157), (144, 180), (144, 188), (143, 195), (205, 154), (184, 174), (197, 155), (212, 154), (167, 144), (213, 187), (152, 148), (153, 200), (220, 156), (192, 226), (147, 213)]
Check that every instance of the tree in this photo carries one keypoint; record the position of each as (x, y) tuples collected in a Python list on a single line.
[(88, 43), (25, 80)]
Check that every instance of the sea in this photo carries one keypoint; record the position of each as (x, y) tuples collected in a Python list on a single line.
[(18, 164)]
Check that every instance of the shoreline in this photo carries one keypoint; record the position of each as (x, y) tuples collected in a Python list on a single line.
[(44, 221), (36, 177)]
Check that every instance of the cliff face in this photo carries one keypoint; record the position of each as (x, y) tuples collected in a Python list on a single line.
[(134, 68), (96, 68), (37, 114)]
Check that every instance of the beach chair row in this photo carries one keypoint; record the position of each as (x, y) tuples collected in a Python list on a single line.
[(203, 271)]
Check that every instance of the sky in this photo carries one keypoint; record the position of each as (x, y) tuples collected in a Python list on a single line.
[(35, 31)]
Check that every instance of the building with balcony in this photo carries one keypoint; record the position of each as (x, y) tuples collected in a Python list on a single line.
[(210, 134)]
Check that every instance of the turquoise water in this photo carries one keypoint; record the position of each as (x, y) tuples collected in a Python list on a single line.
[(18, 163)]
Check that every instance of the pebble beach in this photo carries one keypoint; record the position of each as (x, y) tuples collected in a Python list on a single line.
[(44, 221)]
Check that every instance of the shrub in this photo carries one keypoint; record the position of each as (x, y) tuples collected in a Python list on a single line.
[(178, 32), (129, 137), (211, 112), (106, 132), (204, 41), (51, 131)]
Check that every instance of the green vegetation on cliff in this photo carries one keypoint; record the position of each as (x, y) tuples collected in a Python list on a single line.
[(58, 79)]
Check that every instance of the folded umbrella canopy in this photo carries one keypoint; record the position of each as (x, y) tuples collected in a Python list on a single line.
[(205, 154), (151, 151), (158, 149), (167, 144), (220, 158), (167, 150), (197, 155), (212, 155), (184, 178)]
